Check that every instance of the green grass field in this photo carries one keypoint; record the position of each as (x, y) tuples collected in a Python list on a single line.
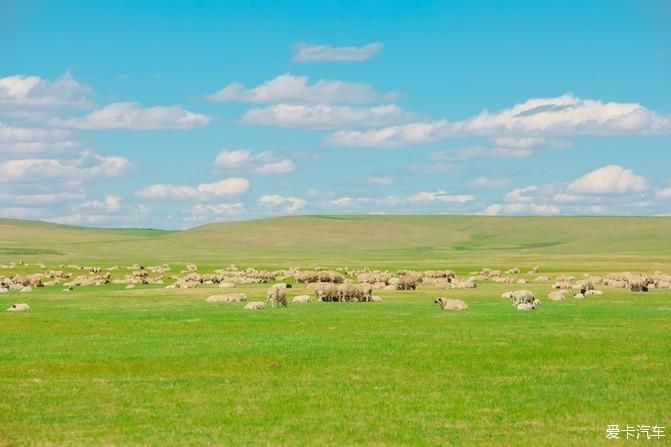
[(153, 366)]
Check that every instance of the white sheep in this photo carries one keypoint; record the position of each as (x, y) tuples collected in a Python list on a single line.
[(255, 305), (451, 304), (19, 307), (301, 299)]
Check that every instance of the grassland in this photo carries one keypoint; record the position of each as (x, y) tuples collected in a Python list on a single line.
[(151, 366)]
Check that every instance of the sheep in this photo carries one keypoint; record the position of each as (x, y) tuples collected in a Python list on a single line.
[(19, 307), (593, 292), (524, 297), (542, 278), (450, 304), (26, 289), (255, 305), (276, 296), (226, 285), (513, 271), (375, 299), (557, 295), (301, 299), (525, 306), (230, 298)]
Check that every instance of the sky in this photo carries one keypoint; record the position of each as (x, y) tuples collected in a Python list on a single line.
[(173, 115)]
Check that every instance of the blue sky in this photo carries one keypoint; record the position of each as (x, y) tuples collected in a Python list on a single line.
[(171, 116)]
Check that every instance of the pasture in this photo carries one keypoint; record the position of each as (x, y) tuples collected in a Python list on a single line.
[(150, 366)]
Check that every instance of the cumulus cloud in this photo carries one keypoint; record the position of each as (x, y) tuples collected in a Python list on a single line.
[(34, 92), (608, 190), (263, 163), (522, 209), (324, 116), (475, 152), (204, 211), (306, 52), (612, 179), (279, 167), (26, 140), (288, 88), (490, 182), (130, 115), (664, 193), (289, 204), (380, 181), (203, 192), (39, 170), (110, 203), (441, 196), (232, 158), (561, 116)]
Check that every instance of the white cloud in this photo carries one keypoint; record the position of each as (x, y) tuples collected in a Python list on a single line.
[(522, 208), (34, 92), (305, 52), (290, 204), (129, 115), (30, 141), (203, 211), (612, 179), (664, 193), (561, 116), (40, 170), (476, 152), (203, 192), (110, 203), (441, 196), (530, 143), (490, 182), (263, 163), (288, 88), (233, 158), (324, 116), (280, 167), (380, 181), (44, 199)]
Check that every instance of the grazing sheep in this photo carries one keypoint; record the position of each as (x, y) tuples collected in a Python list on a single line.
[(255, 305), (20, 307), (277, 296), (230, 298), (525, 297), (450, 304), (557, 295), (301, 299)]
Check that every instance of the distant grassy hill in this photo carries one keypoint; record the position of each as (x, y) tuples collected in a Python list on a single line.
[(560, 243)]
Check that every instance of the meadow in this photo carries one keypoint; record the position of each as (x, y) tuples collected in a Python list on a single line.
[(151, 366)]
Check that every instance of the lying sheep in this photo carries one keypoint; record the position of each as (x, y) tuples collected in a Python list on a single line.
[(277, 296), (450, 304), (525, 306), (230, 298), (301, 299), (593, 292), (523, 298), (255, 305), (557, 295), (375, 299), (20, 307)]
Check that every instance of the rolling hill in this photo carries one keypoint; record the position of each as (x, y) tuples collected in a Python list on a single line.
[(565, 243)]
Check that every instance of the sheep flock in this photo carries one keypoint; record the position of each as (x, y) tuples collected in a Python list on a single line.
[(339, 285)]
